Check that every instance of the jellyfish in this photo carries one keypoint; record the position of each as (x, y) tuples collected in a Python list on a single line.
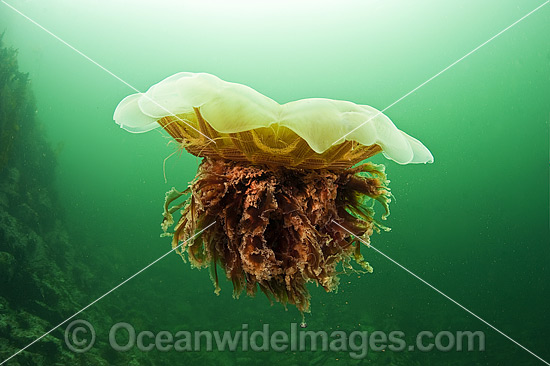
[(280, 188)]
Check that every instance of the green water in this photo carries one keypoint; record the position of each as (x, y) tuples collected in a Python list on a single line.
[(474, 224)]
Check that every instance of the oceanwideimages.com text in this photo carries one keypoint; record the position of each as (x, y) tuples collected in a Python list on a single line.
[(80, 336)]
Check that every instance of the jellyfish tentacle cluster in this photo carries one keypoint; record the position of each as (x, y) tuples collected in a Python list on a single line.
[(276, 198), (275, 228)]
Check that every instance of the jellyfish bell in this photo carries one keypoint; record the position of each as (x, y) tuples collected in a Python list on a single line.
[(278, 183), (199, 108)]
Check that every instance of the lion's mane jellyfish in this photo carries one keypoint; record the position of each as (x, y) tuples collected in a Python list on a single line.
[(280, 187)]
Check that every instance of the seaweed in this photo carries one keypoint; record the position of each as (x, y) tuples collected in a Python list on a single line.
[(43, 277), (14, 101)]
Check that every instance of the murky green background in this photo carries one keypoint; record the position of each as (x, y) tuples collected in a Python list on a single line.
[(475, 224)]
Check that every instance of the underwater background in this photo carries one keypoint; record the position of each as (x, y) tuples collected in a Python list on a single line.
[(81, 199)]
